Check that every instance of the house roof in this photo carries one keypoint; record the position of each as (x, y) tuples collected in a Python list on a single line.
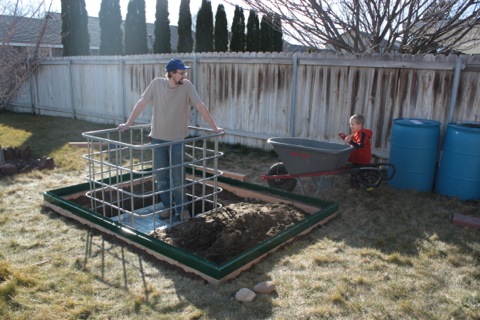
[(24, 31)]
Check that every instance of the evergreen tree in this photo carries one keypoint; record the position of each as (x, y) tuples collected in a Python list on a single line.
[(185, 39), (253, 32), (162, 33), (277, 45), (237, 43), (220, 42), (111, 34), (204, 28), (136, 28), (75, 37), (266, 34)]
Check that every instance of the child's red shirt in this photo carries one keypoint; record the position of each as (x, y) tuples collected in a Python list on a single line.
[(362, 152)]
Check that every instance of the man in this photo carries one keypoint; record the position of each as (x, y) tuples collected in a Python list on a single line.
[(171, 98)]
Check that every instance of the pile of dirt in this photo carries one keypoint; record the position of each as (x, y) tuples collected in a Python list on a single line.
[(231, 230), (223, 233)]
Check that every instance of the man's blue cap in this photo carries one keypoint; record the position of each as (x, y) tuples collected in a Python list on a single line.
[(175, 64)]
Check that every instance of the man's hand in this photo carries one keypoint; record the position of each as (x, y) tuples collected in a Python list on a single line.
[(122, 127), (219, 130)]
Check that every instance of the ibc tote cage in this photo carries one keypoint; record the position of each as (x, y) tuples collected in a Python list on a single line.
[(122, 182)]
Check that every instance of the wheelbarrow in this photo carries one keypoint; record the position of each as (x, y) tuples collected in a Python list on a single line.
[(313, 158)]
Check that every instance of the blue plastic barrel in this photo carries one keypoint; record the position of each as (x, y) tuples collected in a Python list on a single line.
[(414, 151), (459, 168)]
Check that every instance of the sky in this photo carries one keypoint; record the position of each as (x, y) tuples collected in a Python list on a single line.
[(93, 7)]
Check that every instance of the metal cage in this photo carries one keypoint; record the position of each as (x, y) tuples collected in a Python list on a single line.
[(122, 176)]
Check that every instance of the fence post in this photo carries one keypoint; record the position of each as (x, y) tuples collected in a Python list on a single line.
[(31, 80), (293, 96), (122, 89), (456, 83), (70, 77), (194, 80)]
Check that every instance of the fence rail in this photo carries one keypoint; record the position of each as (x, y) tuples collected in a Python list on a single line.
[(255, 96)]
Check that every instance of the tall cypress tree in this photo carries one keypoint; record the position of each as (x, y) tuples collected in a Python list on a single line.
[(136, 28), (277, 32), (162, 33), (185, 39), (75, 37), (253, 32), (204, 28), (266, 34), (237, 43), (111, 34), (220, 43)]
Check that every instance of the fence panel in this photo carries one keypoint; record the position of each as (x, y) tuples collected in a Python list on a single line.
[(255, 96)]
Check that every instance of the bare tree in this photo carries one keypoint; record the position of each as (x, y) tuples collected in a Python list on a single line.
[(18, 63), (406, 26)]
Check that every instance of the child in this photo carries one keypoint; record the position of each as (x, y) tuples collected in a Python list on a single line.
[(359, 138)]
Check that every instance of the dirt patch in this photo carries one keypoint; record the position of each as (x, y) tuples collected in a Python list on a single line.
[(231, 230), (228, 231)]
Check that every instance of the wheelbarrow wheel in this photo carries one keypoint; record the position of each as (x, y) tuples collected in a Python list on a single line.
[(284, 184), (370, 177)]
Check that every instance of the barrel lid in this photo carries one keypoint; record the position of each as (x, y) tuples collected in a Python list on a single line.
[(469, 124), (416, 122)]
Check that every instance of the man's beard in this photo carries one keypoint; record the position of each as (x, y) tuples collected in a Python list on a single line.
[(180, 82)]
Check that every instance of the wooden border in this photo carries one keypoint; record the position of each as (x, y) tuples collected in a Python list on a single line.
[(310, 209)]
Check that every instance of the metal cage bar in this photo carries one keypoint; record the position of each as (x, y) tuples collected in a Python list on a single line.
[(121, 176)]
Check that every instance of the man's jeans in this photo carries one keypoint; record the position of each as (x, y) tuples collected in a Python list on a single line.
[(164, 173)]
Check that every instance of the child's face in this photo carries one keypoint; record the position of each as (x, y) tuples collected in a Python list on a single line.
[(355, 126)]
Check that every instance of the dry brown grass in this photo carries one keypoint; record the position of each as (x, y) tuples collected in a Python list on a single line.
[(391, 254)]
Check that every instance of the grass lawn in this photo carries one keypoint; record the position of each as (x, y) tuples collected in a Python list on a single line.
[(390, 254)]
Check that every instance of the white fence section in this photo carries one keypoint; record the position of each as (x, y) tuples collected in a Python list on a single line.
[(255, 96)]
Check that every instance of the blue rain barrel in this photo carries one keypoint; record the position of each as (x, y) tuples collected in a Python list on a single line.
[(459, 167), (413, 151)]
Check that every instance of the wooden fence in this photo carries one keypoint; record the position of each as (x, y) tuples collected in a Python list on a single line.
[(256, 96)]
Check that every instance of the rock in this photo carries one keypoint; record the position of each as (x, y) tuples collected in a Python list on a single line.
[(245, 295), (49, 164), (26, 169), (8, 169), (46, 163), (264, 287), (2, 158), (15, 160), (26, 153), (9, 154)]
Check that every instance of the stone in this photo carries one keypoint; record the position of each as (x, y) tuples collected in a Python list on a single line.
[(245, 295), (26, 169), (9, 153), (26, 153), (264, 287), (8, 169), (49, 164), (2, 158), (15, 160)]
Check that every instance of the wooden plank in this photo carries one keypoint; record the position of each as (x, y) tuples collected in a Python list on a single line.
[(229, 174), (466, 221), (84, 144)]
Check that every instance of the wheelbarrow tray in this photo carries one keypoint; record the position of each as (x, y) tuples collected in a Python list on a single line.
[(301, 155)]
